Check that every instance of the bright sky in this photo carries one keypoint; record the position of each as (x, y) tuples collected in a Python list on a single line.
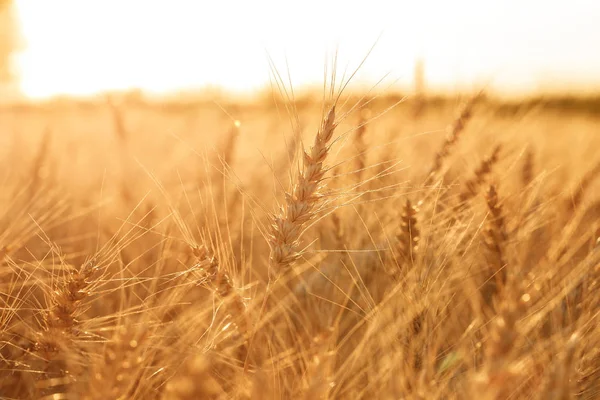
[(84, 46)]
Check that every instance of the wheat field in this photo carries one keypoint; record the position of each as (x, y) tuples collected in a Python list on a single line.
[(348, 247)]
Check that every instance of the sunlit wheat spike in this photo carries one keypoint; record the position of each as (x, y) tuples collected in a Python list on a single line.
[(56, 343), (301, 203), (453, 133), (408, 235), (481, 173), (223, 285), (494, 239)]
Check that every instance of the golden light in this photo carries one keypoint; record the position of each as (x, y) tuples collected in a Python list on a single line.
[(83, 47)]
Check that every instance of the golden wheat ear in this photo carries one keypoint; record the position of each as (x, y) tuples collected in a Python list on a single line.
[(407, 237), (481, 173), (224, 287), (494, 240), (301, 203), (56, 344), (453, 133)]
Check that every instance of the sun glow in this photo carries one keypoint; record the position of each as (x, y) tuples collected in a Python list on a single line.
[(83, 47)]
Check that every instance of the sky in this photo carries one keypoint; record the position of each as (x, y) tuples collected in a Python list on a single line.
[(82, 47)]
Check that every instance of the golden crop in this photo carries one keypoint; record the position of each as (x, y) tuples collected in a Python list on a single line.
[(354, 249)]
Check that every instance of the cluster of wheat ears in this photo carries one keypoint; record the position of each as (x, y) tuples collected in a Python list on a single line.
[(385, 270)]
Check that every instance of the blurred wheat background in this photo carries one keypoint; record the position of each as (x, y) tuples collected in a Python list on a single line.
[(342, 243)]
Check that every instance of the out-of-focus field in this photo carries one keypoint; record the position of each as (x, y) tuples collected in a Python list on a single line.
[(141, 251)]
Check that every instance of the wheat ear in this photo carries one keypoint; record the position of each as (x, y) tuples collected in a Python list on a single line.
[(223, 286), (453, 133), (408, 236), (494, 240), (481, 173), (300, 204), (55, 342)]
